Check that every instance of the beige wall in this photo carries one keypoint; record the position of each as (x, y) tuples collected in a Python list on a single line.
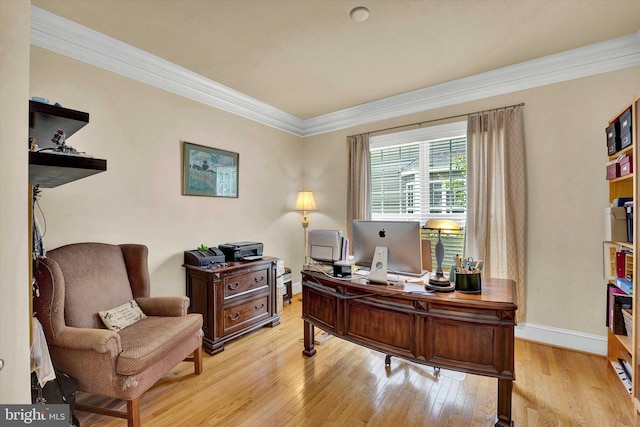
[(567, 192), (139, 130), (14, 250)]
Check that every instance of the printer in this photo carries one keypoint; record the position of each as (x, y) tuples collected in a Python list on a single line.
[(203, 258), (238, 251)]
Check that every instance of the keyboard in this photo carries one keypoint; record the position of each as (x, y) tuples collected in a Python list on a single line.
[(393, 278)]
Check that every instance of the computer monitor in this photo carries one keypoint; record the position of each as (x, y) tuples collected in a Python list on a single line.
[(325, 245), (401, 238)]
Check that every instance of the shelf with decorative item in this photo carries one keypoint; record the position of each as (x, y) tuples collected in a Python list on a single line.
[(50, 170), (51, 161)]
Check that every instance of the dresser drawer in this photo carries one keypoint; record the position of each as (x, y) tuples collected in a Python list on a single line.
[(242, 315), (245, 282), (234, 299)]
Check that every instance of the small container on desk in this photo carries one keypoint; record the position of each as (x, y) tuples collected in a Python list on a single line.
[(470, 283)]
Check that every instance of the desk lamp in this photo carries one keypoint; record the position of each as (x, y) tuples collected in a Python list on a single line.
[(305, 202), (438, 282)]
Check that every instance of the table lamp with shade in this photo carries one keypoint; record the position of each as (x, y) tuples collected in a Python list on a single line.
[(437, 282), (305, 202)]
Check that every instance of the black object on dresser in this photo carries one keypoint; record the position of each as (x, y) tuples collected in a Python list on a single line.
[(234, 299)]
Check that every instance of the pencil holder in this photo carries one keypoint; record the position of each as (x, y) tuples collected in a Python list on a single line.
[(470, 283)]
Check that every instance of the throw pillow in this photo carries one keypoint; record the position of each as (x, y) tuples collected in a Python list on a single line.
[(122, 316)]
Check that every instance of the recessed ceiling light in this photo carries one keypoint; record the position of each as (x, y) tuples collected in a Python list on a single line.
[(359, 14)]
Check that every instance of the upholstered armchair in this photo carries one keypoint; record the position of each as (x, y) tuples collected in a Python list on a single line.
[(80, 280)]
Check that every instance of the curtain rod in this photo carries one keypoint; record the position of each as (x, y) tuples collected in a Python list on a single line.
[(439, 120)]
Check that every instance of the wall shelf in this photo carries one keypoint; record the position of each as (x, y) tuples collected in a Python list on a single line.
[(45, 120), (51, 170), (48, 169)]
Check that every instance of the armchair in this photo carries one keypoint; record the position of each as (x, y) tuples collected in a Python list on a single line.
[(79, 280)]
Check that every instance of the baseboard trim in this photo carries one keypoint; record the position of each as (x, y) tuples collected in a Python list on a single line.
[(565, 338)]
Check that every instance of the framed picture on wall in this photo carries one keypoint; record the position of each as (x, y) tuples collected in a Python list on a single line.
[(209, 171)]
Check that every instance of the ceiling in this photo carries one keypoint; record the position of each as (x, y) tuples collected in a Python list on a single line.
[(308, 58)]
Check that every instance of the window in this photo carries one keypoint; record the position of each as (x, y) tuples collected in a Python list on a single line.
[(421, 174)]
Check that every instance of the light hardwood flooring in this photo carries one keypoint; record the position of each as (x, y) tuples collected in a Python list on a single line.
[(262, 379)]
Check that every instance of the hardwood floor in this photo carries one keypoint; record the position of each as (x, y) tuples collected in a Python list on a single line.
[(262, 379)]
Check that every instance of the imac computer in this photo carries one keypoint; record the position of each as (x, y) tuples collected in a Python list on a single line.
[(393, 244)]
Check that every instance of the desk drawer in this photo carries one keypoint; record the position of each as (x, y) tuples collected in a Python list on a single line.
[(245, 282), (242, 315), (476, 347)]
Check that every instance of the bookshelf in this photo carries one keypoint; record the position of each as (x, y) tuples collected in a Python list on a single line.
[(623, 348)]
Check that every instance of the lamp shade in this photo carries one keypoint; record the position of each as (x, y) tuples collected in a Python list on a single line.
[(445, 225), (306, 201)]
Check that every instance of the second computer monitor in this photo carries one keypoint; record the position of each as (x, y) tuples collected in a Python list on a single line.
[(401, 238)]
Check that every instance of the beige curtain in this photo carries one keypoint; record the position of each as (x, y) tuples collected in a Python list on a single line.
[(359, 189), (495, 228)]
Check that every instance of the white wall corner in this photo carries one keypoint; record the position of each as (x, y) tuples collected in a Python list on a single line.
[(589, 343)]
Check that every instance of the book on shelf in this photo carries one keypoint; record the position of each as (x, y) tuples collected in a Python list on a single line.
[(624, 284), (617, 299), (626, 367), (621, 264), (624, 377)]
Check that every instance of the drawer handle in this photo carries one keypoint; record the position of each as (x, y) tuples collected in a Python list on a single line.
[(233, 286), (259, 307), (234, 317), (259, 279)]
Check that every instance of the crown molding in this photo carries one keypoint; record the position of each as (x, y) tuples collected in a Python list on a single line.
[(68, 38), (611, 55)]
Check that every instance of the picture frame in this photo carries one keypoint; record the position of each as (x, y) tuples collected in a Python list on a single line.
[(208, 171)]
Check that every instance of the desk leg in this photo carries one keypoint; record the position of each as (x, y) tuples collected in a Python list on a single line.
[(308, 351), (505, 387)]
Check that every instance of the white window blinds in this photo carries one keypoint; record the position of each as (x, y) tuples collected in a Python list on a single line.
[(421, 174)]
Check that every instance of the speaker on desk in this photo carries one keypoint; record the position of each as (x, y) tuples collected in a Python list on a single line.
[(378, 272)]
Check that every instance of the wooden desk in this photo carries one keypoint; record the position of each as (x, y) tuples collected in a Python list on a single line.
[(472, 333)]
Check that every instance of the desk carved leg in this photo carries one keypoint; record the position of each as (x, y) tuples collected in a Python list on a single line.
[(308, 351), (505, 387)]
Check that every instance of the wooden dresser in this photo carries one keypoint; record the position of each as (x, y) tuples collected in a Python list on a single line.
[(233, 300)]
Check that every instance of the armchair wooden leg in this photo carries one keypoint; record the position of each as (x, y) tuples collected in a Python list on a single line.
[(133, 413), (197, 360)]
